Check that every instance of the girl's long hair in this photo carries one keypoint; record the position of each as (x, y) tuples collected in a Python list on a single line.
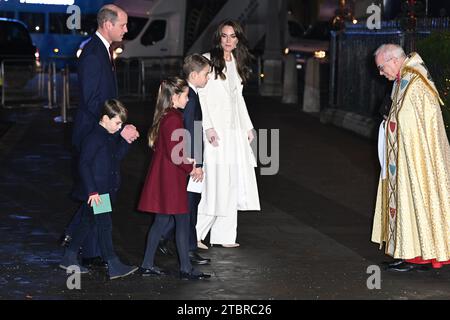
[(241, 53), (167, 90)]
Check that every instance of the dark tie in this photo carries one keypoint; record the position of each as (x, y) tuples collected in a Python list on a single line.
[(111, 55)]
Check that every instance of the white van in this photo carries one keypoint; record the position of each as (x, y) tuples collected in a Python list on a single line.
[(155, 28)]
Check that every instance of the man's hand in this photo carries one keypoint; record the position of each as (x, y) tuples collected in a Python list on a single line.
[(212, 137), (129, 133)]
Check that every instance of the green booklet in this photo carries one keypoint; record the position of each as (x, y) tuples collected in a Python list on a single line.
[(104, 206)]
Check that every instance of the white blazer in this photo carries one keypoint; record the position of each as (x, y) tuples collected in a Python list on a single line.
[(230, 180)]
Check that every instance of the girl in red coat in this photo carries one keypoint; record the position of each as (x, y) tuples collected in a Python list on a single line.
[(164, 191)]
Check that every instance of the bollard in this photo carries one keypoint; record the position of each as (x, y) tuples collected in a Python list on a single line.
[(259, 72), (2, 81), (49, 87), (271, 86), (53, 64), (311, 95), (40, 81), (290, 86), (63, 117), (65, 97), (143, 79), (67, 89)]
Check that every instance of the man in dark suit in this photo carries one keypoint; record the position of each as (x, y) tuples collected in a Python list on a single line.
[(196, 69), (98, 83)]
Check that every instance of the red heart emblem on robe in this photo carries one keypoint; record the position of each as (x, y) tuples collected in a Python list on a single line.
[(392, 126), (393, 212)]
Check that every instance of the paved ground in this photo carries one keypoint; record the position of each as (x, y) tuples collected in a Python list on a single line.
[(310, 241)]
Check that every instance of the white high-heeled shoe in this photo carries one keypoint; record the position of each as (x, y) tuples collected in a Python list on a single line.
[(232, 245), (201, 245)]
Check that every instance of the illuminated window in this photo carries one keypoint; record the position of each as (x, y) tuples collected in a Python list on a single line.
[(33, 20), (58, 23), (134, 26), (88, 24), (155, 32), (7, 14)]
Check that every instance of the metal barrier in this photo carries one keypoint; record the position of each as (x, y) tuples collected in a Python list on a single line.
[(51, 85), (65, 102), (137, 76), (21, 82)]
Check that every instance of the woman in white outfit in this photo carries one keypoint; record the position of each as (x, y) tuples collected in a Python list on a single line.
[(229, 163)]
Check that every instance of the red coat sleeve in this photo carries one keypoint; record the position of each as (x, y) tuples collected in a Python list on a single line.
[(174, 142)]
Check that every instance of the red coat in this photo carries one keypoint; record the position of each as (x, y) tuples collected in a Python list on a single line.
[(165, 186)]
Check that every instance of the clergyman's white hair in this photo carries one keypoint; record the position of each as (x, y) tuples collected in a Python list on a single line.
[(390, 50)]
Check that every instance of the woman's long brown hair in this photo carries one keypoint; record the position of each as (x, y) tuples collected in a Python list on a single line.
[(241, 53), (167, 90)]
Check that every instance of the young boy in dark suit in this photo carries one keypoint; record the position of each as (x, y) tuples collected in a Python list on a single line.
[(99, 169)]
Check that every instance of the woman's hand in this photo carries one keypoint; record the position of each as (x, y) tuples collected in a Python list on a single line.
[(212, 137), (250, 135), (94, 198)]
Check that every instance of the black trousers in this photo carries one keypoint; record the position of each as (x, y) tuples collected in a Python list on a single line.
[(89, 221), (181, 222), (91, 247)]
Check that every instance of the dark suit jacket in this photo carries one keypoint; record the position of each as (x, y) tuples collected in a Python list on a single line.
[(99, 164), (97, 82), (191, 113)]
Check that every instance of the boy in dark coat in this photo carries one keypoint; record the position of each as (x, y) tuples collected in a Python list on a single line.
[(99, 168)]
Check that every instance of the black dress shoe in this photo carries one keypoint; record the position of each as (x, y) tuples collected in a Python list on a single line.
[(392, 264), (194, 275), (198, 259), (65, 240), (153, 271), (164, 249), (95, 262), (407, 267)]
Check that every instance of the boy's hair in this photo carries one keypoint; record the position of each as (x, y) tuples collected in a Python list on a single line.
[(194, 62), (114, 107)]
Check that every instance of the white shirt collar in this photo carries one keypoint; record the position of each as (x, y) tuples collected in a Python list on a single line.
[(105, 42), (193, 87)]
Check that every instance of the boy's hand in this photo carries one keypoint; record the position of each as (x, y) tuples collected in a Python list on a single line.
[(94, 198), (129, 133), (197, 174)]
